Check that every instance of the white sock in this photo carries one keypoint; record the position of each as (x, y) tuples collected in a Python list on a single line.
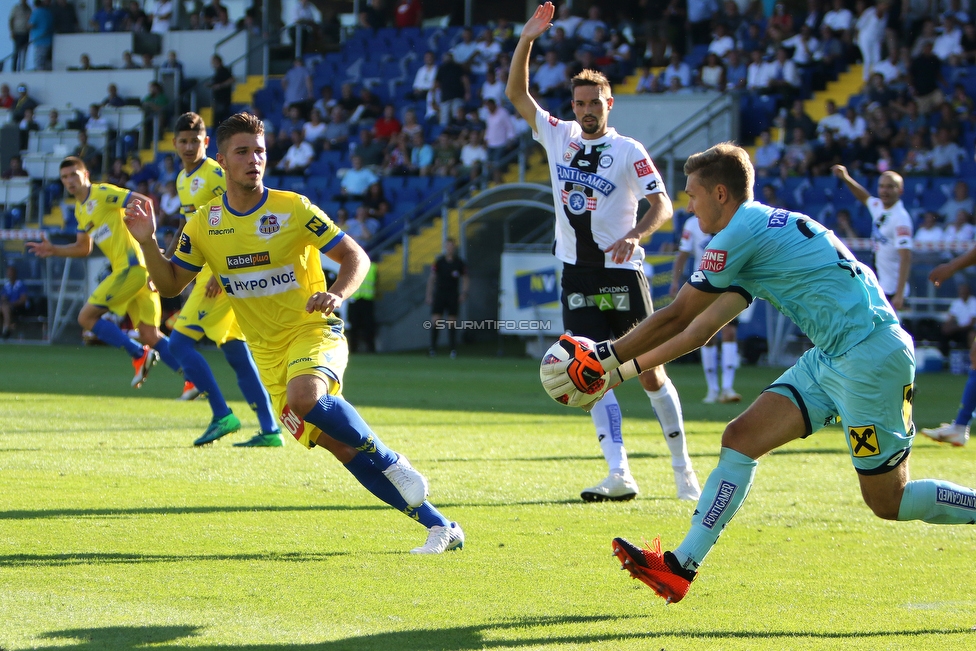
[(607, 420), (730, 362), (667, 408), (709, 357)]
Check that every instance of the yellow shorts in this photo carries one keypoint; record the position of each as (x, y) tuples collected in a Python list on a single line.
[(126, 291), (316, 351), (213, 317)]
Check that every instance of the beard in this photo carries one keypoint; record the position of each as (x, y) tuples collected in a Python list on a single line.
[(594, 128)]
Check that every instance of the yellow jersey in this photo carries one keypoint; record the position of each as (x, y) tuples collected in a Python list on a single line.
[(100, 215), (198, 188), (267, 261)]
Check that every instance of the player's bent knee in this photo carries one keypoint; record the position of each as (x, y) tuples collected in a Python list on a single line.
[(654, 378)]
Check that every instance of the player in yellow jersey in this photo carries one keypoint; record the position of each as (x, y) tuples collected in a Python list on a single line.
[(207, 310), (99, 209), (264, 246)]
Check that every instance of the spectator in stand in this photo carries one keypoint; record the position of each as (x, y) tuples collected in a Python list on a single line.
[(844, 228), (20, 34), (117, 174), (957, 329), (292, 120), (305, 22), (26, 125), (376, 202), (911, 122), (425, 77), (396, 156), (473, 151), (780, 25), (16, 169), (347, 100), (325, 102), (408, 13), (41, 34), (736, 73), (961, 103), (22, 103), (960, 201), (833, 121), (949, 42), (700, 14), (65, 17), (798, 118), (90, 154), (676, 87), (918, 158), (446, 156), (170, 207), (676, 69), (930, 229), (968, 43), (314, 130), (410, 125), (830, 51), (108, 18), (54, 122), (782, 77), (465, 50), (421, 156), (805, 46), (948, 120), (369, 110), (586, 31), (113, 98), (363, 227), (504, 33), (767, 156), (879, 93), (221, 89), (711, 74), (387, 126), (756, 79), (892, 71), (925, 77), (493, 88), (722, 43), (946, 154), (566, 21), (370, 150), (617, 61), (826, 153), (337, 131), (356, 181), (563, 45), (298, 157), (136, 20), (155, 109), (162, 16), (961, 229), (6, 99), (870, 28), (297, 86), (275, 148), (210, 14), (223, 24), (372, 16), (751, 40), (770, 198), (487, 50), (14, 301), (551, 78), (856, 126), (499, 135), (167, 174), (797, 155), (128, 63), (862, 156), (647, 82), (141, 174), (454, 85)]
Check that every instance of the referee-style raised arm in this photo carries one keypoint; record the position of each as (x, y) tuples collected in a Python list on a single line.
[(517, 89), (858, 190), (170, 279)]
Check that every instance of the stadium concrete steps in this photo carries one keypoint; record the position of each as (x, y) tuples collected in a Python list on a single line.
[(847, 84), (425, 246), (244, 93)]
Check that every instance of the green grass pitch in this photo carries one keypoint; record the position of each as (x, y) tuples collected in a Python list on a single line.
[(116, 534)]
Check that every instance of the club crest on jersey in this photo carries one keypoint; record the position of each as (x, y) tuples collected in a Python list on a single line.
[(606, 161), (195, 184), (713, 260), (576, 202), (269, 225), (90, 205), (643, 167), (215, 215)]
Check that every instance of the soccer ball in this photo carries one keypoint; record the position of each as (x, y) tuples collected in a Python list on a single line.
[(556, 381)]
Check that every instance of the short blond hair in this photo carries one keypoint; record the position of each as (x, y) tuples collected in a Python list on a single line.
[(726, 163)]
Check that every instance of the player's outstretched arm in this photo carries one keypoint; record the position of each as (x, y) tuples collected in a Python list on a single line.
[(665, 323), (944, 271), (81, 247), (353, 265), (517, 88), (170, 279), (856, 188)]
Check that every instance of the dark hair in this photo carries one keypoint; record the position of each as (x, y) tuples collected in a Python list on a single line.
[(73, 161), (190, 122), (235, 124), (726, 164)]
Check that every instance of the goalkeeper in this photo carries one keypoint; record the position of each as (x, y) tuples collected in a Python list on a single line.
[(804, 271)]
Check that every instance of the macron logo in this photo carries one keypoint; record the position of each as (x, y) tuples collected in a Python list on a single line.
[(713, 260)]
